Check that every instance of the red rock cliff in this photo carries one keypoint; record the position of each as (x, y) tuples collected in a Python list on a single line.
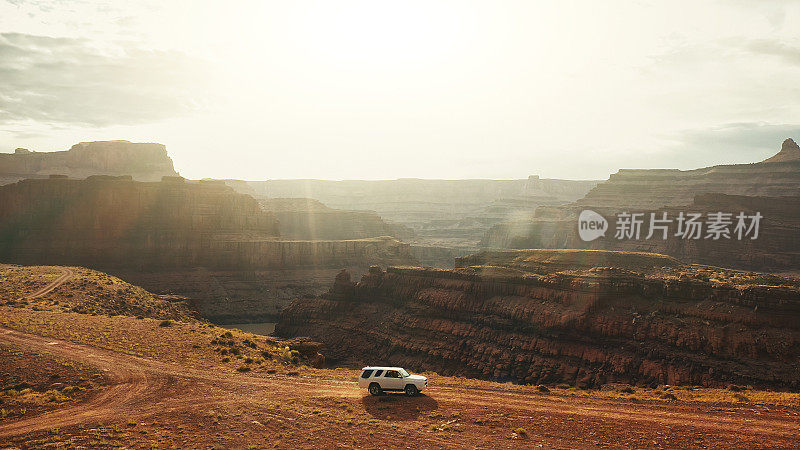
[(673, 325)]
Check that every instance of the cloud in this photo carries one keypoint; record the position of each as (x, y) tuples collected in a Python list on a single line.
[(74, 81), (737, 142), (774, 47)]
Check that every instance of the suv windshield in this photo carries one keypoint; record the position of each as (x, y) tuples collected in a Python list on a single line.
[(403, 372)]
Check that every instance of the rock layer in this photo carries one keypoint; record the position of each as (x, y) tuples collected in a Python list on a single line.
[(107, 222), (656, 188), (670, 325), (142, 161)]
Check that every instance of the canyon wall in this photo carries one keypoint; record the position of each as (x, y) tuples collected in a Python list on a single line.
[(663, 323), (142, 161), (770, 188), (108, 222), (655, 188), (447, 214), (237, 296)]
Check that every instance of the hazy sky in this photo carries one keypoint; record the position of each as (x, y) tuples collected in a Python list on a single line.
[(374, 90)]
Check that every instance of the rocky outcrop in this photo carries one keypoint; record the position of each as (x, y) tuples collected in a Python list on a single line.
[(142, 161), (789, 152), (305, 218), (655, 325)]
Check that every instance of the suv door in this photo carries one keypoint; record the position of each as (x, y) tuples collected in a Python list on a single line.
[(392, 380)]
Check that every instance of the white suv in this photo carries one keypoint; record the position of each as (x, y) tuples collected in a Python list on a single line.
[(379, 379)]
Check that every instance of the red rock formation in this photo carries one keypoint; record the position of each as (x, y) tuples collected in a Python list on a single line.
[(108, 222), (671, 325), (789, 152), (143, 161)]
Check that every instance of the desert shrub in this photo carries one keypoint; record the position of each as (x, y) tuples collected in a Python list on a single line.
[(235, 351), (288, 356), (226, 359), (248, 360), (293, 373), (521, 432), (627, 390), (563, 386), (243, 369), (735, 388), (542, 388), (668, 396), (165, 323)]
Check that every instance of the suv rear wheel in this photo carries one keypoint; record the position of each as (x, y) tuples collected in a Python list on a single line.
[(411, 390), (375, 389)]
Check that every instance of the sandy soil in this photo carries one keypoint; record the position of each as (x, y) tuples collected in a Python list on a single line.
[(317, 411)]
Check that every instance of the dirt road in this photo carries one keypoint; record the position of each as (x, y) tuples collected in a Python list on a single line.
[(66, 275), (142, 387)]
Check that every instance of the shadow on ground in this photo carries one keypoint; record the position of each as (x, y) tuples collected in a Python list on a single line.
[(398, 406)]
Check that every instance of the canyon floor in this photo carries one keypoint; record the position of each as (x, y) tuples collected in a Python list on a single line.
[(91, 379)]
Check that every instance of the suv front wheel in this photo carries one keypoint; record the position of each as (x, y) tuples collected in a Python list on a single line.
[(375, 389), (411, 390)]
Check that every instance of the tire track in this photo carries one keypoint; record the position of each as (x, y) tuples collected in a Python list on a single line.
[(66, 275)]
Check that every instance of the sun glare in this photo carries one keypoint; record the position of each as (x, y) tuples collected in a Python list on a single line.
[(378, 33)]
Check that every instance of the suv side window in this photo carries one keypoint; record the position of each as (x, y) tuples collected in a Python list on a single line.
[(366, 374), (392, 374), (378, 373)]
